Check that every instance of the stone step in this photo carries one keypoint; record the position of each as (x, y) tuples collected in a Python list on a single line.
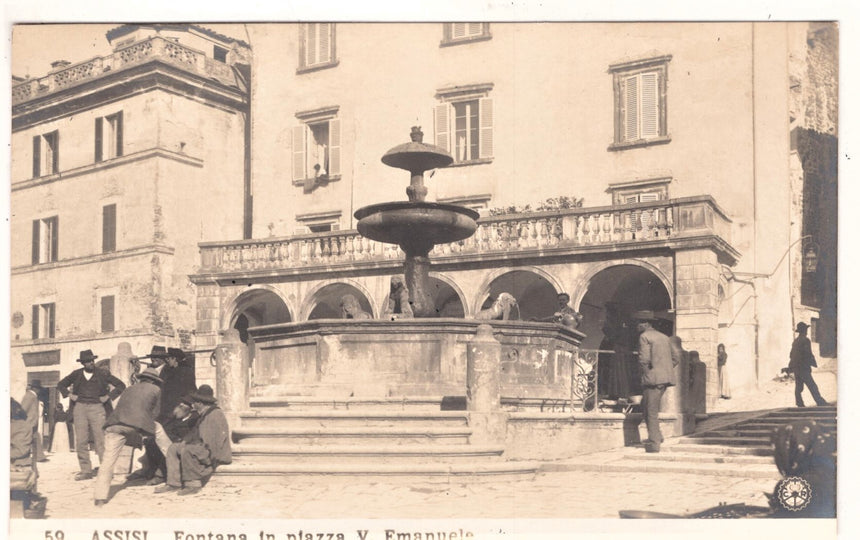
[(285, 417), (693, 457), (737, 431), (681, 446), (762, 471), (410, 472), (412, 403), (341, 454), (353, 435), (730, 441)]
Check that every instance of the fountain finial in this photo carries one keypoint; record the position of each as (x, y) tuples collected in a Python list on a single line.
[(417, 135)]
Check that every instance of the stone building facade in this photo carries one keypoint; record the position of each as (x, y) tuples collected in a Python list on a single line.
[(633, 166), (111, 158)]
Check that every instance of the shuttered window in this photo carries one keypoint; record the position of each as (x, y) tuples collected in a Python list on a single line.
[(465, 129), (46, 154), (640, 101), (459, 32), (108, 228), (107, 311), (316, 44), (43, 321), (316, 149), (45, 240)]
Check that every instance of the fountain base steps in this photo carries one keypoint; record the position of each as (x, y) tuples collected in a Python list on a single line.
[(740, 449), (368, 438)]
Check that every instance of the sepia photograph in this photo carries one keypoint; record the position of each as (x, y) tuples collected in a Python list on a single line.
[(433, 271)]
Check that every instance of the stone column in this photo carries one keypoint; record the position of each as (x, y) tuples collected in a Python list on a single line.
[(483, 389), (120, 363), (697, 275), (232, 378)]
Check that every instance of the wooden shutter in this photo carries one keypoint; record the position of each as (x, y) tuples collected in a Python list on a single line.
[(119, 134), (458, 30), (55, 163), (35, 323), (311, 43), (334, 147), (109, 228), (324, 42), (631, 199), (476, 29), (99, 139), (36, 243), (55, 235), (298, 142), (485, 126), (37, 156), (303, 37), (649, 111), (107, 313), (649, 197), (51, 308), (442, 124), (630, 123)]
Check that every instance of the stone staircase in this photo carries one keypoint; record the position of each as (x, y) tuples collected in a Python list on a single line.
[(392, 438), (725, 446)]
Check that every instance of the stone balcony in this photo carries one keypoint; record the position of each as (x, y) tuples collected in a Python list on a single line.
[(691, 222), (155, 48)]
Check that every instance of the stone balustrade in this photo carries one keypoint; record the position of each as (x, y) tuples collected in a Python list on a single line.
[(150, 49), (568, 229)]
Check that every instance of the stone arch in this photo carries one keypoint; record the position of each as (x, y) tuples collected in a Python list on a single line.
[(323, 301), (534, 288), (612, 291), (254, 306), (448, 297)]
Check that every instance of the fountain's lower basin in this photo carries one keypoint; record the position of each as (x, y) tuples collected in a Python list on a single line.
[(406, 223), (408, 357)]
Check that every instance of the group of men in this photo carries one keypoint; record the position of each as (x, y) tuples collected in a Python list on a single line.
[(185, 434)]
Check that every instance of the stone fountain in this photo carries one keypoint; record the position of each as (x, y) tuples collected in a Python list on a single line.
[(417, 225)]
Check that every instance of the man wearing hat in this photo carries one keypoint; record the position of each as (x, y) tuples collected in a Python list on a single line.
[(801, 362), (33, 404), (657, 361), (182, 420), (206, 446), (133, 418), (90, 391)]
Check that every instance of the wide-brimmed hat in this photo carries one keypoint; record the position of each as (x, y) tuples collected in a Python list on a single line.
[(152, 375), (179, 354), (204, 394), (801, 326), (158, 351), (644, 315), (186, 399), (86, 356)]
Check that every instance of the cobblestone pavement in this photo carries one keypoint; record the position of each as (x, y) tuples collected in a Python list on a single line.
[(549, 495)]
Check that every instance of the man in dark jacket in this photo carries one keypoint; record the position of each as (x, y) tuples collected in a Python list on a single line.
[(90, 392), (195, 458), (801, 362), (657, 360), (133, 418), (183, 420)]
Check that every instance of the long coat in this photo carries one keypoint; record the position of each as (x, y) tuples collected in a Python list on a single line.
[(657, 358), (138, 407), (800, 357), (213, 432)]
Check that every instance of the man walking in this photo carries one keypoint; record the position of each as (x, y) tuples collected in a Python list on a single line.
[(133, 418), (657, 361), (205, 447), (801, 362), (90, 392)]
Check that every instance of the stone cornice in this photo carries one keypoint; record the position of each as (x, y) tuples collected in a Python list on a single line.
[(99, 258), (109, 164), (154, 74)]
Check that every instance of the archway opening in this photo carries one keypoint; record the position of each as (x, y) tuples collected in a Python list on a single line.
[(448, 303), (258, 307), (327, 301), (613, 296), (536, 297)]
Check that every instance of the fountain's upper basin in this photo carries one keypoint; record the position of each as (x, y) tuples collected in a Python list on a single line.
[(407, 223)]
